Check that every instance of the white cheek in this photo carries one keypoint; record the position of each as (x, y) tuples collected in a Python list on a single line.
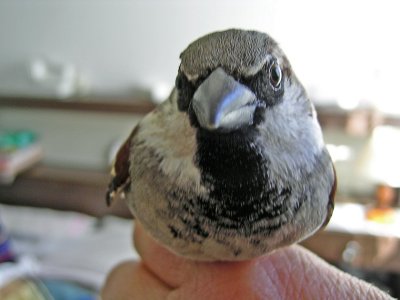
[(292, 137), (167, 132)]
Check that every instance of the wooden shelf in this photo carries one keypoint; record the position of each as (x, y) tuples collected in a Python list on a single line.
[(328, 116), (62, 189), (360, 121), (130, 106)]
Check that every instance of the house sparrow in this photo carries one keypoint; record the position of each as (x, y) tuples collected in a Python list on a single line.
[(233, 164)]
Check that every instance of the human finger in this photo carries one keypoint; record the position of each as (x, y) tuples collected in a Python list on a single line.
[(132, 280)]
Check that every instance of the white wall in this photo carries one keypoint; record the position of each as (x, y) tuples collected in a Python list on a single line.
[(344, 50), (118, 44)]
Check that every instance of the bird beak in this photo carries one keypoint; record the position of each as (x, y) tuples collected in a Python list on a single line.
[(221, 102)]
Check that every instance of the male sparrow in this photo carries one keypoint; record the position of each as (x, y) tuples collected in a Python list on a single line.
[(233, 164)]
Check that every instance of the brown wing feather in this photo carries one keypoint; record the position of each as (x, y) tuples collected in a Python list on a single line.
[(331, 202), (120, 173)]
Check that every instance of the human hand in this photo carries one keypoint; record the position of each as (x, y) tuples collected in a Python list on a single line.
[(288, 273)]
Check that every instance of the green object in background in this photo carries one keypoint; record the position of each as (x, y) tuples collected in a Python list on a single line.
[(64, 290), (16, 140)]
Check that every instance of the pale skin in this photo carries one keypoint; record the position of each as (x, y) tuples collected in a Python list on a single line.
[(288, 273)]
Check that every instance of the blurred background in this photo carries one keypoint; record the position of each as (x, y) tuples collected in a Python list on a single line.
[(76, 76)]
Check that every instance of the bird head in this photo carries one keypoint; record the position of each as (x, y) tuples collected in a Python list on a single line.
[(228, 79)]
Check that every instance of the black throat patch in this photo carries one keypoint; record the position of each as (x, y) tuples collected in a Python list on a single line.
[(237, 174)]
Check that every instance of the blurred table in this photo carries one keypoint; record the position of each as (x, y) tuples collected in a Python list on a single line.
[(353, 240)]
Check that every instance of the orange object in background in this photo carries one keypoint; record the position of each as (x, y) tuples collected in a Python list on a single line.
[(383, 211)]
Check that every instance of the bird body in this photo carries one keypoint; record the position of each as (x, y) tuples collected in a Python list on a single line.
[(233, 164)]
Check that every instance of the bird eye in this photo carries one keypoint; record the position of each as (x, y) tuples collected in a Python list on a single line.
[(275, 75)]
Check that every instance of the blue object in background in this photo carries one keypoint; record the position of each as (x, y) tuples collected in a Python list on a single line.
[(6, 253)]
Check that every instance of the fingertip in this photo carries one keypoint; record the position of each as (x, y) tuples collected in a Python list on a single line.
[(169, 267), (132, 280), (117, 282)]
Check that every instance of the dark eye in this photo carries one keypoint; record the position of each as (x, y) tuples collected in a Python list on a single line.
[(275, 75)]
